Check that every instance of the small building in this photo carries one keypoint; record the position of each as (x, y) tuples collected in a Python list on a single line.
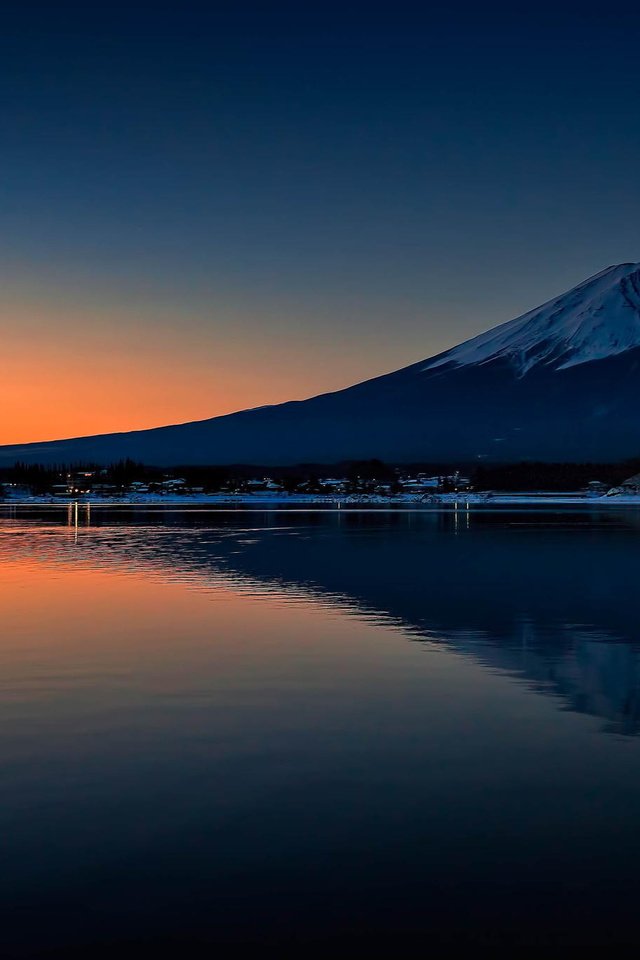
[(257, 484), (174, 485), (384, 489), (419, 484), (334, 485), (265, 484), (457, 482), (596, 488), (138, 486), (273, 486)]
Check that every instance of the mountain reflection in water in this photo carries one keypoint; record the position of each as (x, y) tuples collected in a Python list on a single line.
[(547, 599), (300, 733)]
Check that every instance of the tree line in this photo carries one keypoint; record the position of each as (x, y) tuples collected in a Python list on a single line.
[(515, 477)]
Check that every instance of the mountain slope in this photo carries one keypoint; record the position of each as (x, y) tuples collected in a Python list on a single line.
[(597, 319), (559, 383)]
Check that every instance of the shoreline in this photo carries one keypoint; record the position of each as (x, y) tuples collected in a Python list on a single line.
[(353, 502)]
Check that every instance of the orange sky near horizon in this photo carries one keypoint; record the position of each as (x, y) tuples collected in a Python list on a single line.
[(64, 392), (68, 373)]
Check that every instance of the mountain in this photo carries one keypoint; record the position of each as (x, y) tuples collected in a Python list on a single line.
[(559, 383)]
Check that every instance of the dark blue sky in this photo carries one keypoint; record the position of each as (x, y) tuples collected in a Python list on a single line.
[(258, 203)]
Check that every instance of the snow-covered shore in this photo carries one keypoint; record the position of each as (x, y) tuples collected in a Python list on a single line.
[(266, 500)]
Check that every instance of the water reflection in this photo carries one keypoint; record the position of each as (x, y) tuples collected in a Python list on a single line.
[(546, 599), (302, 732)]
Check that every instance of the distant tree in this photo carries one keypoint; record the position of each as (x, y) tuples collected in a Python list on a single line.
[(551, 476), (367, 470), (125, 472)]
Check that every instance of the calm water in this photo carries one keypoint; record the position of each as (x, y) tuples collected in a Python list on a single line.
[(301, 731)]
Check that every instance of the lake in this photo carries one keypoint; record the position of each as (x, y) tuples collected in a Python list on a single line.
[(303, 731)]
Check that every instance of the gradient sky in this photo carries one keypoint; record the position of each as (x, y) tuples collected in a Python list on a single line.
[(204, 211)]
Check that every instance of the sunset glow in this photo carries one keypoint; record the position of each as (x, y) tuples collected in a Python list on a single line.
[(73, 372), (199, 219)]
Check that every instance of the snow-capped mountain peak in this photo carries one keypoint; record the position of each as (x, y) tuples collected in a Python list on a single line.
[(599, 318)]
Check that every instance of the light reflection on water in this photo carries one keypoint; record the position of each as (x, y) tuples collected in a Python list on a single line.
[(593, 666), (301, 729)]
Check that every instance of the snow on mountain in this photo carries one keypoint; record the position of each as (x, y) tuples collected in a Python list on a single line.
[(597, 319)]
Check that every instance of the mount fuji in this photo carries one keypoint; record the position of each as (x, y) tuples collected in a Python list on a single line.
[(560, 383)]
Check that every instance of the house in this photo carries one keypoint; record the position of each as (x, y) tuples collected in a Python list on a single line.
[(419, 484), (384, 489), (273, 486), (265, 484), (595, 488), (457, 482), (334, 485), (138, 487), (174, 485)]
